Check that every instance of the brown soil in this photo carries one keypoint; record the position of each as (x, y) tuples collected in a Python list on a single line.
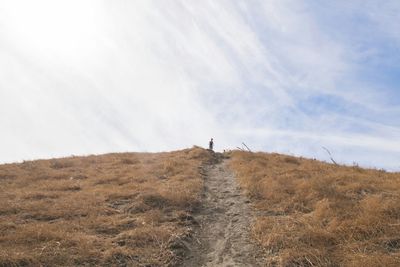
[(225, 219)]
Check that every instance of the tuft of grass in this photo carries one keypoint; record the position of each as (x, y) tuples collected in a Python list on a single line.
[(312, 213), (126, 209)]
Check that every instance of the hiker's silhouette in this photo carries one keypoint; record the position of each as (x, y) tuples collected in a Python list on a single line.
[(211, 144)]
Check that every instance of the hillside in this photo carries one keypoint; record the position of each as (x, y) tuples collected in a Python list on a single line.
[(311, 213), (197, 208), (112, 210)]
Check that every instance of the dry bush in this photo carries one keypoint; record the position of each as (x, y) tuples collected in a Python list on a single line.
[(126, 209), (61, 163), (317, 214), (130, 161)]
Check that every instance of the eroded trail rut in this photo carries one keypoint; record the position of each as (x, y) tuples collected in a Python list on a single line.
[(223, 238)]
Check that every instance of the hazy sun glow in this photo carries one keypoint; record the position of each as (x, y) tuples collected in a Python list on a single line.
[(66, 29)]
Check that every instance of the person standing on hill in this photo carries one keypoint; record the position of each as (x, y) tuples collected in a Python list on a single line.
[(211, 144)]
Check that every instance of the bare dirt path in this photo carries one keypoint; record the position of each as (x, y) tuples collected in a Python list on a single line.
[(222, 238)]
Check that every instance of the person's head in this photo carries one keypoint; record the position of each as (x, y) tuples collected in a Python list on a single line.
[(211, 139)]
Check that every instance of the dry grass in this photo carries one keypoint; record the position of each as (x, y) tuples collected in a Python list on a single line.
[(312, 213), (125, 209)]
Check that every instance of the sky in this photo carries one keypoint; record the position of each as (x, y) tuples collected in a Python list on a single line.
[(83, 77)]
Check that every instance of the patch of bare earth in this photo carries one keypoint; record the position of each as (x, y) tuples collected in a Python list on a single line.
[(222, 238)]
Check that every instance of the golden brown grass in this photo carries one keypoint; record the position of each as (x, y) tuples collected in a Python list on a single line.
[(127, 209), (312, 213)]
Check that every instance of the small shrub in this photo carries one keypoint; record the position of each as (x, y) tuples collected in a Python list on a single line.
[(291, 160), (61, 164), (130, 161)]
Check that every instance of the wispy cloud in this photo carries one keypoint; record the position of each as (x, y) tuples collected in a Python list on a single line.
[(287, 76)]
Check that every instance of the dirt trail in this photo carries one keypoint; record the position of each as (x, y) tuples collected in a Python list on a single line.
[(222, 238)]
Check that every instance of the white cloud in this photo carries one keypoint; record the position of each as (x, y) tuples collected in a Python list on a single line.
[(97, 76)]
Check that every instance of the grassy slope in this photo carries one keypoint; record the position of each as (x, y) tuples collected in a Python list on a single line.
[(317, 214), (113, 209)]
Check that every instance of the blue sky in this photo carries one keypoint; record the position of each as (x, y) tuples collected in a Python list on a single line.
[(84, 77)]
